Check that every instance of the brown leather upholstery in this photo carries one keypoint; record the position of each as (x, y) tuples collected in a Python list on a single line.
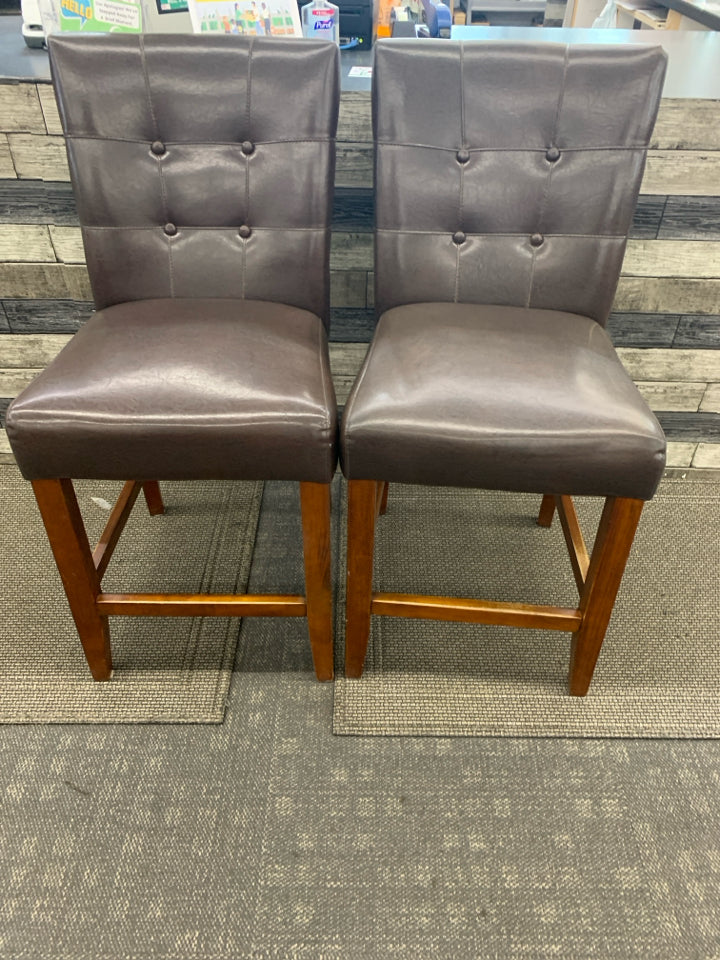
[(230, 144), (506, 177), (176, 388), (203, 169), (500, 398), (512, 177)]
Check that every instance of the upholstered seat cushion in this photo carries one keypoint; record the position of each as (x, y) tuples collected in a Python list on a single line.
[(183, 389), (499, 398)]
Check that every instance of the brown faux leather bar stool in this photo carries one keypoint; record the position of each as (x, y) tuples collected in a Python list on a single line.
[(506, 179), (203, 170)]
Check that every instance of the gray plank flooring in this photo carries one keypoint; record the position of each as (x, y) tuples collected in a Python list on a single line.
[(690, 218), (353, 210), (46, 316), (698, 332), (643, 329), (352, 324), (690, 426), (648, 217), (37, 201)]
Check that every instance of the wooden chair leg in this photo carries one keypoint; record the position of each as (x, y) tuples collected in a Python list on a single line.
[(547, 511), (153, 497), (68, 540), (607, 564), (315, 508), (362, 501), (383, 498)]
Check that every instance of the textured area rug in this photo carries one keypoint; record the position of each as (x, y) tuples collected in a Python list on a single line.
[(166, 670), (265, 838), (659, 669)]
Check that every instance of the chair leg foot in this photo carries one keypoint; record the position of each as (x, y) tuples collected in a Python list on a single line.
[(315, 509), (362, 503), (69, 543), (547, 511), (607, 564), (98, 652), (153, 497)]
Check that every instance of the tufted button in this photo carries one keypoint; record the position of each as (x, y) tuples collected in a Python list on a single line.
[(462, 155), (552, 154), (459, 237), (244, 231), (158, 148), (247, 147), (537, 240), (170, 229)]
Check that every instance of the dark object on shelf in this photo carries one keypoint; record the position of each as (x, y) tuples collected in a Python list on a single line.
[(356, 19), (505, 13)]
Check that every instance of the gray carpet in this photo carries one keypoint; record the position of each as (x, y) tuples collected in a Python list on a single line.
[(266, 838), (659, 670), (173, 670)]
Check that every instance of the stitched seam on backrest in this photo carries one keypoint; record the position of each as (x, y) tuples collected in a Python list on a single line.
[(461, 199), (206, 143), (279, 229), (146, 78), (161, 174), (548, 181), (248, 131), (478, 233), (434, 146)]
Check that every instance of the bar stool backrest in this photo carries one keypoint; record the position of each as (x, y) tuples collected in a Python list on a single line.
[(509, 170), (202, 166)]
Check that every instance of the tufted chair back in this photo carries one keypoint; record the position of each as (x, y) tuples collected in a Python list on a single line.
[(513, 177), (177, 187)]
